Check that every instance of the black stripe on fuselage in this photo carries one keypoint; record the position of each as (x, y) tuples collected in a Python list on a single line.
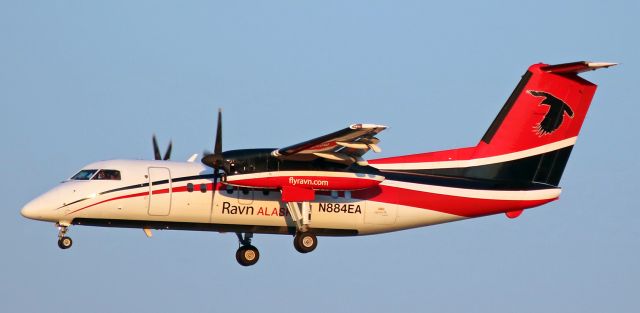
[(530, 172), (74, 202), (160, 182), (282, 230), (135, 186), (460, 182), (504, 176)]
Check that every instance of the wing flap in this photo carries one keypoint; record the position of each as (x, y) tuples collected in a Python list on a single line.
[(345, 146)]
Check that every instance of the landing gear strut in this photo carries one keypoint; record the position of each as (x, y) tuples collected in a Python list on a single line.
[(246, 254), (64, 242), (305, 242)]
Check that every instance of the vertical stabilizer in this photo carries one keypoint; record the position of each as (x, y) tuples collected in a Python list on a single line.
[(531, 138)]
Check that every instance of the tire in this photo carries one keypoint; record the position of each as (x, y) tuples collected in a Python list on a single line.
[(305, 242), (65, 243), (247, 255)]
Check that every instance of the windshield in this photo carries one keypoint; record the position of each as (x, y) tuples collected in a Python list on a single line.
[(108, 175), (84, 175)]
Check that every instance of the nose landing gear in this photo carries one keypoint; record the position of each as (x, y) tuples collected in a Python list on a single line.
[(246, 254), (64, 242)]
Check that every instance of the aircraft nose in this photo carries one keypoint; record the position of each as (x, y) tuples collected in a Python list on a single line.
[(46, 207), (37, 209), (31, 210)]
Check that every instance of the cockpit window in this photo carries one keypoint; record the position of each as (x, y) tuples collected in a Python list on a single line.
[(84, 175), (107, 175)]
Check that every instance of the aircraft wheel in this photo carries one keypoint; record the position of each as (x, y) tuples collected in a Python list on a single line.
[(305, 242), (247, 255), (65, 242)]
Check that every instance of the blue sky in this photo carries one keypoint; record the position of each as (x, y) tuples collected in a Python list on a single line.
[(82, 81)]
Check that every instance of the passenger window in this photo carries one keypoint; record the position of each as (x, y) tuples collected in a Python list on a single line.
[(265, 192), (203, 188), (84, 175), (245, 191), (230, 190), (107, 175), (190, 187)]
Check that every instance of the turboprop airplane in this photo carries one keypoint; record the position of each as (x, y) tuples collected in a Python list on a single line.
[(324, 187)]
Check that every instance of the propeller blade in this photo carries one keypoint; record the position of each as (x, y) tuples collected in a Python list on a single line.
[(215, 159), (218, 147), (167, 154), (216, 173), (156, 150)]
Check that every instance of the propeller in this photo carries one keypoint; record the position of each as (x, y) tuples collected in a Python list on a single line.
[(156, 150), (215, 159)]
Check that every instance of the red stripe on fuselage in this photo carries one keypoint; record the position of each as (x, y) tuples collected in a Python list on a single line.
[(455, 205), (116, 198), (146, 193), (460, 206)]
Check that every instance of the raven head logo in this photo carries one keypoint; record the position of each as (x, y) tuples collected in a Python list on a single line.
[(554, 117)]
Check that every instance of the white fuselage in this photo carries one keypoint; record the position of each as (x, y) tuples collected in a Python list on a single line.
[(182, 198)]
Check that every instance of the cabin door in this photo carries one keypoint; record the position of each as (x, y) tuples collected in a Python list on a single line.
[(160, 191)]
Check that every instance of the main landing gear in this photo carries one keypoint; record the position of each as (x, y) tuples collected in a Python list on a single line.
[(305, 242), (64, 242), (246, 254)]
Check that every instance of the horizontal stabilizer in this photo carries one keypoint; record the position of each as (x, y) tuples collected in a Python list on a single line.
[(576, 67)]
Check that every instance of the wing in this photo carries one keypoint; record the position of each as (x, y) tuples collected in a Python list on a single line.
[(344, 146)]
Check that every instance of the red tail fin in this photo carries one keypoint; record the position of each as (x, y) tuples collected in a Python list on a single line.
[(548, 105), (531, 138)]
